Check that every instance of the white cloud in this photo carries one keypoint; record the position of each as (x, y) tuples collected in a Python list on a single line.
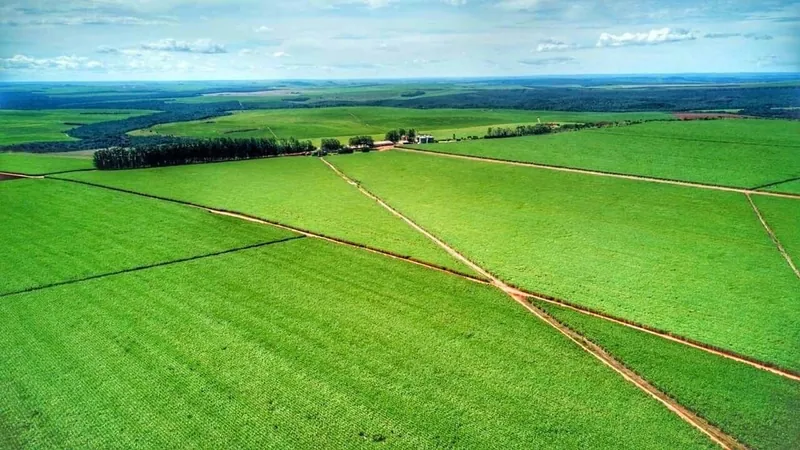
[(84, 20), (262, 29), (653, 37), (554, 45), (57, 63), (280, 54), (199, 46)]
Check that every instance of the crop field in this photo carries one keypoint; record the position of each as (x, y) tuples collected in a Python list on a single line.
[(783, 216), (31, 164), (691, 261), (300, 192), (757, 407), (51, 125), (791, 187), (56, 231), (305, 344), (742, 153), (315, 123)]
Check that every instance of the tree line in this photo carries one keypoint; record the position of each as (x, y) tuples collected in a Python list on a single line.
[(200, 151)]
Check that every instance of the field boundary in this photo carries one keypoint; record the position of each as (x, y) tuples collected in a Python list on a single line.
[(708, 348), (294, 229), (150, 266), (713, 141), (692, 184), (774, 237), (714, 433), (777, 183)]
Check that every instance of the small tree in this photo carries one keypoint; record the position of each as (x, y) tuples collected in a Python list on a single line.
[(393, 135), (331, 145), (411, 134)]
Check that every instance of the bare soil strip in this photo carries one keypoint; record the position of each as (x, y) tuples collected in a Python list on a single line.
[(605, 174), (150, 266), (12, 175), (774, 237), (300, 231), (714, 433)]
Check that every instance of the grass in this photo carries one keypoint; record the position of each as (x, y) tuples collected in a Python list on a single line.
[(51, 125), (783, 216), (306, 344), (55, 231), (31, 164), (692, 261), (300, 192), (317, 123), (756, 407), (743, 153)]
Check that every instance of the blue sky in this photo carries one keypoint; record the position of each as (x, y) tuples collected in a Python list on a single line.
[(257, 39)]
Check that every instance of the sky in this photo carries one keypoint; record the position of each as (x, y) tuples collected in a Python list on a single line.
[(107, 40)]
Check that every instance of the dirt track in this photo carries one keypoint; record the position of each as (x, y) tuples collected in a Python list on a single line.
[(4, 176), (714, 433), (605, 174)]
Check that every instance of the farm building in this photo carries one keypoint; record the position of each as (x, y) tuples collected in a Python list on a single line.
[(425, 139)]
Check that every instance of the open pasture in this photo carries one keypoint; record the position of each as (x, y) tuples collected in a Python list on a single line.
[(32, 164), (315, 123), (51, 125), (741, 153), (57, 231), (296, 191), (755, 406), (306, 344), (690, 261)]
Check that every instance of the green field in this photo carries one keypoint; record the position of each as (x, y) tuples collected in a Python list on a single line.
[(315, 123), (690, 261), (755, 406), (744, 153), (51, 125), (306, 344), (56, 231), (783, 216), (791, 187), (32, 164), (300, 192)]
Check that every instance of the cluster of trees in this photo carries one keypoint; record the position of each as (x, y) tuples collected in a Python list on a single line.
[(202, 151), (400, 133), (522, 130), (362, 141)]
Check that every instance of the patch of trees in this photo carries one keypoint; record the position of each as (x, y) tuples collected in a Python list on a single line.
[(522, 130), (753, 100), (331, 145), (362, 142), (412, 94), (200, 151), (400, 134)]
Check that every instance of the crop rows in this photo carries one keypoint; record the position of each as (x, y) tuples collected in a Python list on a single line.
[(367, 350)]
